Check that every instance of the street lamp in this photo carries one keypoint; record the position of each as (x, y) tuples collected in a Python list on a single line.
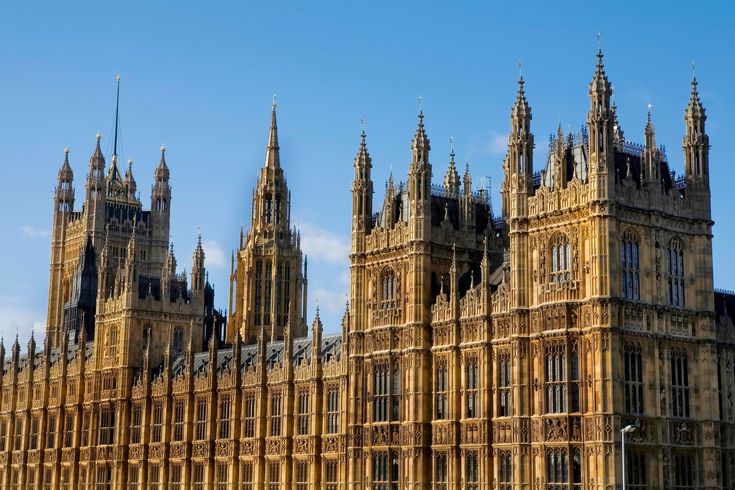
[(623, 431)]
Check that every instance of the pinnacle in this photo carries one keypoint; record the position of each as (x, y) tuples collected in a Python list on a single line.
[(272, 155)]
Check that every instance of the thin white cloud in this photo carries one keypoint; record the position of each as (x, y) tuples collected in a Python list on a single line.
[(332, 302), (498, 143), (19, 319), (320, 244), (214, 256), (33, 232)]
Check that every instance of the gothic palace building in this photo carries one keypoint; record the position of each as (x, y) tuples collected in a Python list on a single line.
[(477, 351)]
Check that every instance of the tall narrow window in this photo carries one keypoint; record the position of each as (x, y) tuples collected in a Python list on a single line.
[(557, 469), (333, 410), (258, 291), (574, 378), (154, 477), (302, 475), (396, 393), (178, 342), (51, 432), (224, 417), (176, 476), (133, 477), (440, 471), (505, 391), (556, 386), (679, 384), (136, 417), (86, 422), (633, 378), (472, 471), (675, 269), (111, 346), (223, 476), (505, 471), (201, 421), (249, 414), (388, 288), (385, 471), (275, 415), (635, 468), (274, 476), (268, 210), (440, 388), (18, 432), (303, 413), (331, 474), (3, 434), (34, 432), (246, 471), (380, 393), (471, 389), (268, 288), (157, 421), (684, 471), (69, 430), (561, 259), (629, 266), (198, 477), (179, 420)]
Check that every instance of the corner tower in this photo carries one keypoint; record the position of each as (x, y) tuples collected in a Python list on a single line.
[(268, 284)]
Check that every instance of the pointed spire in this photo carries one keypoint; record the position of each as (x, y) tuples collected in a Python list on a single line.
[(520, 106), (97, 156), (694, 107), (467, 179), (65, 172), (363, 156), (272, 155), (600, 83), (162, 173), (130, 181), (451, 179), (420, 144), (316, 336)]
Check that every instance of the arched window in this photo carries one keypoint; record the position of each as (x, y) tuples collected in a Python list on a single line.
[(505, 391), (633, 378), (561, 259), (441, 405), (675, 270), (630, 267), (388, 291), (471, 388)]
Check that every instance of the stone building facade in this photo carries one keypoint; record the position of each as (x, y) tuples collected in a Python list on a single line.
[(477, 351)]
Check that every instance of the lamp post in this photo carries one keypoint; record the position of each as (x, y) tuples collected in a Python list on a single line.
[(623, 431)]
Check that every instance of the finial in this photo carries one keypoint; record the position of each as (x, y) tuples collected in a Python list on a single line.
[(98, 136), (273, 105), (451, 145), (520, 69), (693, 70), (362, 124), (421, 105), (163, 148), (599, 42), (117, 77), (66, 149)]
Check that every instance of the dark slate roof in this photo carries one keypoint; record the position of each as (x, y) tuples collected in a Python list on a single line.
[(331, 346)]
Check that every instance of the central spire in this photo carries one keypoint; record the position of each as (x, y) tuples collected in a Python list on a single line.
[(117, 113), (272, 155)]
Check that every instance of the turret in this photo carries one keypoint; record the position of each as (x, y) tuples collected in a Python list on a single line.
[(161, 191), (197, 269), (362, 189), (96, 191), (64, 194), (650, 169), (518, 167), (419, 173), (316, 337), (451, 179), (130, 185), (600, 122), (696, 142)]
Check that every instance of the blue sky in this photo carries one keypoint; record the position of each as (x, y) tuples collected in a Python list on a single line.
[(198, 76)]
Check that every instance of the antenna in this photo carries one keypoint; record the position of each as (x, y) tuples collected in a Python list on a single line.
[(117, 112)]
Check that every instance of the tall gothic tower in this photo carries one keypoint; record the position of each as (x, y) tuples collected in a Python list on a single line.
[(267, 283)]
